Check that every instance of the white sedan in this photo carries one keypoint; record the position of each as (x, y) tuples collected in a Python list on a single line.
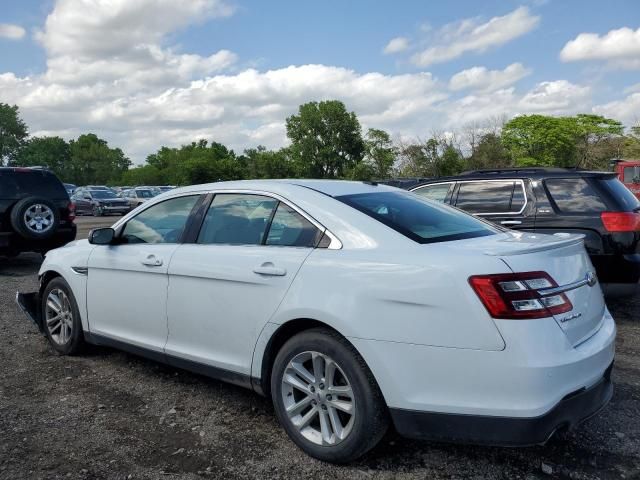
[(352, 305)]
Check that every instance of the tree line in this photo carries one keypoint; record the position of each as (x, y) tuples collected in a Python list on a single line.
[(327, 141)]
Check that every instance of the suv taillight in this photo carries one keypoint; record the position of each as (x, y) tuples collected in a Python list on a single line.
[(621, 221), (71, 209), (518, 295)]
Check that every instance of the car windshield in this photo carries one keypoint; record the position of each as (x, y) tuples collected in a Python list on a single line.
[(144, 193), (421, 220), (102, 194)]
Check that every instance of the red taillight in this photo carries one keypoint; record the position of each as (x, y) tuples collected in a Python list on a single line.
[(621, 221), (71, 209), (518, 295)]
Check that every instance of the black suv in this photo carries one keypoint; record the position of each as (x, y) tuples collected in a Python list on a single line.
[(36, 214), (550, 200)]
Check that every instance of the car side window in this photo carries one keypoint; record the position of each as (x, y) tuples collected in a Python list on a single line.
[(237, 219), (574, 195), (486, 197), (289, 228), (437, 192), (161, 223)]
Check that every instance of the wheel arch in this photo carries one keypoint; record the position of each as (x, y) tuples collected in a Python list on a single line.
[(278, 337)]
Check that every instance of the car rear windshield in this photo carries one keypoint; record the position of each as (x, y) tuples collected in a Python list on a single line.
[(20, 184), (623, 197), (418, 219)]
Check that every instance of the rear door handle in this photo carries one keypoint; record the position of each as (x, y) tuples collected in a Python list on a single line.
[(510, 222), (151, 261), (268, 268)]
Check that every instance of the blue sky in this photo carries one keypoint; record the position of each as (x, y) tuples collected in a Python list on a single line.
[(243, 104)]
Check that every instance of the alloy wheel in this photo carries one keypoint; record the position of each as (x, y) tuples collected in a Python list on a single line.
[(38, 218), (59, 316), (318, 398)]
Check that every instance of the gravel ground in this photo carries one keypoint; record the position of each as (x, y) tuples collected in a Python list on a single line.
[(108, 414)]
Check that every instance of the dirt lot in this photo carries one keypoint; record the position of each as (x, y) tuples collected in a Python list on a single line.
[(108, 414)]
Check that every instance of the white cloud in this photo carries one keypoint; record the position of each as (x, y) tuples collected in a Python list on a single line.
[(11, 32), (469, 35), (627, 110), (396, 45), (147, 92), (480, 78), (619, 47)]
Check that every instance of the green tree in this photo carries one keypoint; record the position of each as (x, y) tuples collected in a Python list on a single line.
[(51, 152), (436, 157), (143, 175), (489, 152), (13, 132), (598, 140), (326, 140), (93, 161), (380, 153), (541, 140), (262, 163), (631, 144)]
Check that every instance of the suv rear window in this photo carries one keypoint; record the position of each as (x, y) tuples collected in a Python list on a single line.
[(420, 220), (624, 198), (20, 184), (490, 197), (574, 195)]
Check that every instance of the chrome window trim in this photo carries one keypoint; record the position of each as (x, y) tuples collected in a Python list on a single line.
[(493, 180)]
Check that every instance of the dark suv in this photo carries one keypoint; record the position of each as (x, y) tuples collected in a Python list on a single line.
[(546, 200), (36, 214)]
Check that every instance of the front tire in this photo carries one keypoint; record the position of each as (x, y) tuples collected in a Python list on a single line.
[(61, 318), (326, 398)]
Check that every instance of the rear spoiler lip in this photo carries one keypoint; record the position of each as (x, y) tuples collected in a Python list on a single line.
[(563, 240)]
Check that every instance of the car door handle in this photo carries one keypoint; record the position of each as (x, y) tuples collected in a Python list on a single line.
[(268, 268), (510, 222), (151, 260)]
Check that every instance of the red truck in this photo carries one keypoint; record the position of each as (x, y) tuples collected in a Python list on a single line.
[(628, 172)]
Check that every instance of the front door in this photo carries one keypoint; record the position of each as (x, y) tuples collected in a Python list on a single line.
[(224, 288), (127, 283)]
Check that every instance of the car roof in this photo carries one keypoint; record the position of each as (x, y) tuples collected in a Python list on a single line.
[(332, 188), (533, 173)]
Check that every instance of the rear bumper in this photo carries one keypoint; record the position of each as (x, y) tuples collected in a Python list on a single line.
[(572, 410), (29, 303)]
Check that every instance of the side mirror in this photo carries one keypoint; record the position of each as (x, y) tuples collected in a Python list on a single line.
[(102, 236)]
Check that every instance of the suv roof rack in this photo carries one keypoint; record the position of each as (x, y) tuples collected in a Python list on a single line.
[(496, 171)]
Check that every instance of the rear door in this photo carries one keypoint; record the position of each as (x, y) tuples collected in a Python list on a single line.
[(504, 202), (224, 287)]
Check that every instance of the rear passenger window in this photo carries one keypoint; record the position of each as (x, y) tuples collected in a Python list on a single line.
[(289, 228), (237, 219), (437, 192), (489, 197), (574, 195)]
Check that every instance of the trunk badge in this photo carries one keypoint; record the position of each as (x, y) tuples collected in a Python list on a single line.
[(591, 278), (570, 317)]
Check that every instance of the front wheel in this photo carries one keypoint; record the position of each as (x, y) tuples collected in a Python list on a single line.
[(97, 211), (61, 318), (326, 398)]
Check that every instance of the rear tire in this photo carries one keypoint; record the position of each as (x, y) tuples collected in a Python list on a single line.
[(331, 379), (61, 318)]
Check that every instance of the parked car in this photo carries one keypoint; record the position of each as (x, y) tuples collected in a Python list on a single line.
[(97, 187), (542, 200), (628, 172), (351, 305), (70, 188), (405, 183), (99, 203), (35, 211), (139, 195)]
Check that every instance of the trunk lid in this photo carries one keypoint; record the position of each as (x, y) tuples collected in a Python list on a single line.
[(564, 258)]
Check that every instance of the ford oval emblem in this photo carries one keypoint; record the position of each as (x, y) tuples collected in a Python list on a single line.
[(591, 279)]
